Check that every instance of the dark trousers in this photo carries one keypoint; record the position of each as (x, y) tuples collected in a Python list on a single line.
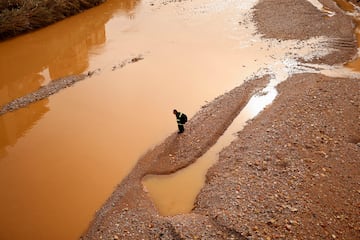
[(181, 128)]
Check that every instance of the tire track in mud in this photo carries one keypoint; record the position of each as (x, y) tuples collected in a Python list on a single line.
[(57, 85), (130, 203)]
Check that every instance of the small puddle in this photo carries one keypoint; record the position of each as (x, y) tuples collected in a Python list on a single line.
[(351, 10), (355, 63), (345, 5), (175, 193)]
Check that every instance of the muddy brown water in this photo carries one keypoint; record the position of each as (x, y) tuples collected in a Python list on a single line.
[(175, 193), (60, 158)]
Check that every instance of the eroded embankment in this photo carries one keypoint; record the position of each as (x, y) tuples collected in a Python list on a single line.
[(21, 16), (129, 212)]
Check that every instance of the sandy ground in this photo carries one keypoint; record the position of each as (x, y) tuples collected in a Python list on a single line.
[(292, 173)]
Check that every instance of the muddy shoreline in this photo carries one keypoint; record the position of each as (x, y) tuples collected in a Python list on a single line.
[(292, 172), (58, 85)]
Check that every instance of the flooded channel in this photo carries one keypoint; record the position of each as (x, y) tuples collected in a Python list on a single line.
[(175, 193), (60, 158)]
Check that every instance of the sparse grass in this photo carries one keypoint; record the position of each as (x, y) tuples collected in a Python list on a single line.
[(21, 16)]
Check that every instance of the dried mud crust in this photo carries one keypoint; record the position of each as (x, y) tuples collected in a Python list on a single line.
[(299, 19)]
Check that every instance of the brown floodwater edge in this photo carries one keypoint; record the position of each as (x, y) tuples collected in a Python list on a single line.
[(57, 85), (22, 16)]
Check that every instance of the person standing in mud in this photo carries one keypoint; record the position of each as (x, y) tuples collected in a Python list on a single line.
[(181, 119)]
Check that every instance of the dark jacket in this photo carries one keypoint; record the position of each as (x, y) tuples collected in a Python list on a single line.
[(181, 118)]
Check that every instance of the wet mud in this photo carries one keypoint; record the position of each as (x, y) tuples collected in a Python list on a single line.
[(292, 172)]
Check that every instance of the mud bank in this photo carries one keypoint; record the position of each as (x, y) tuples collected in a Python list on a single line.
[(129, 207), (293, 171)]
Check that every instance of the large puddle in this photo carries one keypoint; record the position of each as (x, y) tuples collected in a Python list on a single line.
[(60, 158)]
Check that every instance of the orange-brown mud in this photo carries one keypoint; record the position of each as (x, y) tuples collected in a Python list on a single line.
[(292, 173)]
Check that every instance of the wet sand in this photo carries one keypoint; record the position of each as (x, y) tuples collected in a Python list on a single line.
[(294, 170)]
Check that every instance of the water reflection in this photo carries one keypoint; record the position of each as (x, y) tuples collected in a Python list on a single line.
[(13, 125), (29, 61), (345, 5)]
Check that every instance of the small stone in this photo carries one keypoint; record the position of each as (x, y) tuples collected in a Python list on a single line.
[(271, 221), (293, 222), (292, 209), (288, 227), (115, 237)]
